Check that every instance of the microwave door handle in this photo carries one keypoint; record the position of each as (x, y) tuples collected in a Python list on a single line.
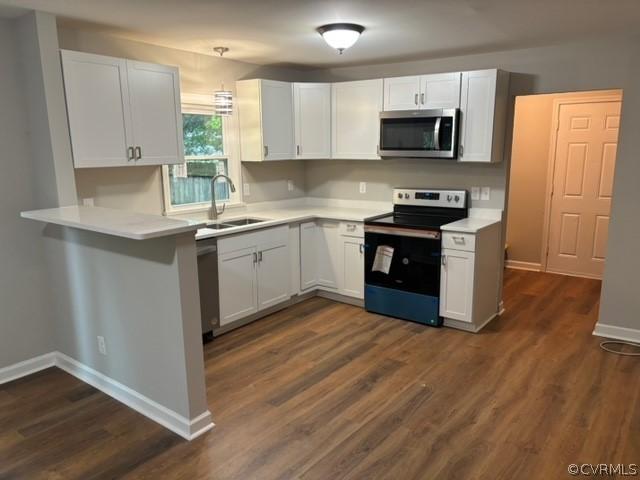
[(436, 134)]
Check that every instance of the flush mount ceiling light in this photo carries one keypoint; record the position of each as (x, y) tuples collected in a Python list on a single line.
[(222, 99), (341, 35)]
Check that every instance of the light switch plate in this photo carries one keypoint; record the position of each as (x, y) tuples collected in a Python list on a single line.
[(363, 187), (485, 193), (475, 193), (246, 189), (290, 185)]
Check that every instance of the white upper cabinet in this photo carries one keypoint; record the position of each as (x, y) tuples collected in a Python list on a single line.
[(154, 92), (355, 119), (483, 112), (420, 92), (312, 114), (265, 114), (122, 112)]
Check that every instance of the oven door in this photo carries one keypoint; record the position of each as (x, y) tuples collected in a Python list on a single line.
[(409, 286), (419, 133)]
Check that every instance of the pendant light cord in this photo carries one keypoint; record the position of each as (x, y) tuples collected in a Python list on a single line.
[(606, 348)]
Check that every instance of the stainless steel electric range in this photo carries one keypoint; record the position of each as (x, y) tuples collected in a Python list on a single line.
[(402, 253)]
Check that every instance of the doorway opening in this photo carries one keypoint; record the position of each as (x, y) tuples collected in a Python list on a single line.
[(561, 181)]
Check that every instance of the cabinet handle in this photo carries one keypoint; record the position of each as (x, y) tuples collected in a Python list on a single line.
[(444, 260), (422, 98), (415, 99), (259, 257), (361, 248), (255, 258), (461, 150), (138, 153), (457, 239), (266, 151), (130, 154), (297, 149)]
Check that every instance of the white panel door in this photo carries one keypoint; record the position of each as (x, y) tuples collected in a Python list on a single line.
[(355, 121), (274, 275), (456, 285), (440, 91), (277, 120), (312, 115), (308, 255), (353, 266), (97, 99), (586, 145), (402, 93), (154, 92), (477, 108), (328, 254), (237, 284)]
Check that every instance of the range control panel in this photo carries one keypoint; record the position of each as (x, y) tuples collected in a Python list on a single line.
[(430, 198)]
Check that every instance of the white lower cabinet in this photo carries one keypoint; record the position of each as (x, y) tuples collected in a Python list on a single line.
[(353, 266), (238, 285), (332, 257), (470, 277), (253, 272), (456, 281)]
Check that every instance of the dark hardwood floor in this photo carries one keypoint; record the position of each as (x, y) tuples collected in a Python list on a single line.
[(325, 391)]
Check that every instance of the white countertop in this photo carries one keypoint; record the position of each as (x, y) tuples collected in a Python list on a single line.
[(119, 223), (469, 225), (282, 215)]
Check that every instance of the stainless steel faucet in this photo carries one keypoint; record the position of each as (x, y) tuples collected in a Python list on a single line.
[(214, 209)]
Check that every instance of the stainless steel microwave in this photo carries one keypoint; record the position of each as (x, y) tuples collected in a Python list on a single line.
[(420, 133)]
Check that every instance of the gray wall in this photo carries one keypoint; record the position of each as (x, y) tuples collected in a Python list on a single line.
[(25, 325)]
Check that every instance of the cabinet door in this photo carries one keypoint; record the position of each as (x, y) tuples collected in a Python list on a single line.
[(355, 122), (273, 275), (440, 91), (308, 255), (328, 255), (312, 115), (154, 92), (277, 120), (353, 266), (478, 99), (402, 93), (238, 284), (456, 285), (97, 97)]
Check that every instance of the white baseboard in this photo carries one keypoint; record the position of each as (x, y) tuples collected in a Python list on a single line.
[(517, 265), (617, 333), (22, 369), (188, 429)]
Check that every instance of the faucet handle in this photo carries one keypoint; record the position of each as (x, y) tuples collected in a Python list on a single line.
[(221, 211)]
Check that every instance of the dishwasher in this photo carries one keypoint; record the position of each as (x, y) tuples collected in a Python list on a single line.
[(207, 252)]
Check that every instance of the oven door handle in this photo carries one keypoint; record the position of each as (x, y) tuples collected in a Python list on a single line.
[(403, 232), (436, 134)]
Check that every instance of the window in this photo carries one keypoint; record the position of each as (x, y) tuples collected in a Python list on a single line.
[(188, 186)]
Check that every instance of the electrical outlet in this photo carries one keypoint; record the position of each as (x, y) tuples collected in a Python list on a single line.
[(475, 193), (88, 202), (290, 185), (246, 189), (485, 193), (363, 187), (102, 345)]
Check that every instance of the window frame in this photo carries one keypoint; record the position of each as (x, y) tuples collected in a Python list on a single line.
[(203, 105)]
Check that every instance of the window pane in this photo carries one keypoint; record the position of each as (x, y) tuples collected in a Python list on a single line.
[(191, 183), (202, 134)]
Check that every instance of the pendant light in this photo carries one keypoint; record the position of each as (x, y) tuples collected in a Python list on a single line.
[(340, 35), (222, 99)]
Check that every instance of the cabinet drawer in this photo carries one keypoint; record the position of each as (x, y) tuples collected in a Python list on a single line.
[(352, 229), (459, 241)]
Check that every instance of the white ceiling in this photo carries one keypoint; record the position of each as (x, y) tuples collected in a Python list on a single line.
[(283, 31)]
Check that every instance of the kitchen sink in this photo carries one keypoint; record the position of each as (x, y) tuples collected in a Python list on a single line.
[(243, 221), (219, 226)]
